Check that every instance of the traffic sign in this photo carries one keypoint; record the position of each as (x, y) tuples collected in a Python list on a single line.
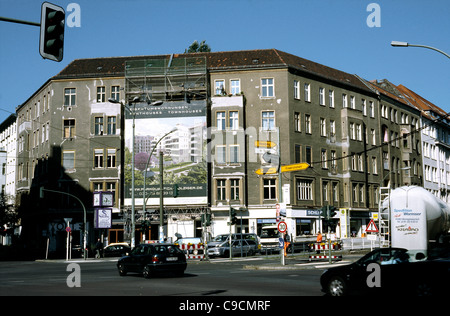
[(282, 227), (264, 171), (68, 229), (264, 144), (372, 228), (295, 167), (281, 242)]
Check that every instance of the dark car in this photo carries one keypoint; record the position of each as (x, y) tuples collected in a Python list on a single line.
[(388, 271), (149, 259), (116, 250)]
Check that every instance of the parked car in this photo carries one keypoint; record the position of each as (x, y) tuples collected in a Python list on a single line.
[(116, 250), (224, 237), (149, 259), (248, 247), (398, 274)]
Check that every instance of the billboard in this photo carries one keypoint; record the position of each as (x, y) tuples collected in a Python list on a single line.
[(176, 129)]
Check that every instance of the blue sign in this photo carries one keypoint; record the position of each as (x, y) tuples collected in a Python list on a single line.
[(281, 242)]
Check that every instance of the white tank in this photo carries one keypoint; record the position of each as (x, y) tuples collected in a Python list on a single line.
[(417, 217)]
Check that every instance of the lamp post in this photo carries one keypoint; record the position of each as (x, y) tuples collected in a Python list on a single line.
[(146, 166), (122, 103), (405, 44)]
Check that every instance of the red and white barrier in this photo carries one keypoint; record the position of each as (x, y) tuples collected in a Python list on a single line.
[(198, 251), (324, 246)]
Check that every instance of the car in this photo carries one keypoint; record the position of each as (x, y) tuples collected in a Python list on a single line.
[(150, 259), (386, 271), (247, 247), (224, 237), (116, 250)]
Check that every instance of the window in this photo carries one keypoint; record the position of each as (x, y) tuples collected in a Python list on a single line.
[(304, 190), (268, 120), (307, 92), (219, 86), (68, 159), (101, 95), (69, 128), (308, 154), (267, 88), (69, 96), (234, 120), (98, 158), (98, 129), (324, 159), (321, 96), (220, 121), (332, 128), (352, 102), (234, 189), (221, 154), (371, 109), (111, 125), (115, 93), (221, 189), (111, 158), (344, 101), (323, 127), (297, 126), (235, 86), (298, 153), (374, 165), (307, 124), (296, 90), (270, 189), (333, 160), (234, 154), (331, 98), (364, 107)]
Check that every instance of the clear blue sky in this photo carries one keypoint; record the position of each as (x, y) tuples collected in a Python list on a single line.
[(331, 32)]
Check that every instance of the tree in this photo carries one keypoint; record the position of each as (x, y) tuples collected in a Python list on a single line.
[(198, 48)]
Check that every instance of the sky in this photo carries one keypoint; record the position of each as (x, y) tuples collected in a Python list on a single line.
[(350, 35)]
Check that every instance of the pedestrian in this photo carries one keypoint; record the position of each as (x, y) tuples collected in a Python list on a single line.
[(319, 237), (318, 240), (99, 249)]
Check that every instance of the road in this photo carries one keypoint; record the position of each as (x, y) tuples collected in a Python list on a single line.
[(215, 278)]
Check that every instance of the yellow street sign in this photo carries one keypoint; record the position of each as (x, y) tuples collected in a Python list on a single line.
[(264, 171), (295, 167), (264, 144)]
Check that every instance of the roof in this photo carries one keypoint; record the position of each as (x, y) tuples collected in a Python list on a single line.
[(216, 61)]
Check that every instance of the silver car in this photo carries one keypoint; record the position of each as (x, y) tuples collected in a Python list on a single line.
[(247, 247)]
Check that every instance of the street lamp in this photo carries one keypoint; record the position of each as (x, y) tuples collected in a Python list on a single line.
[(122, 103), (146, 166), (405, 44)]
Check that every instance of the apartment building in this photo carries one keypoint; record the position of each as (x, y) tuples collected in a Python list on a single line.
[(8, 142), (69, 142), (227, 122)]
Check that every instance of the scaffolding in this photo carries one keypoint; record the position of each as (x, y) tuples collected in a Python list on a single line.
[(173, 78), (384, 214)]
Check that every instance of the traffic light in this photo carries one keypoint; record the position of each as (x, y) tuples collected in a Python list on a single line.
[(206, 219), (233, 218), (331, 211), (51, 42)]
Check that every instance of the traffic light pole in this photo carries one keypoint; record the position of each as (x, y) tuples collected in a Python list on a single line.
[(329, 234), (19, 21)]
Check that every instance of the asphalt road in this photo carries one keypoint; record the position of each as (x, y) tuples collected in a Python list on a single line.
[(216, 278)]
